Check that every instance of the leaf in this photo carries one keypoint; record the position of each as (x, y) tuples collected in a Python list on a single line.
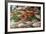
[(15, 18), (32, 18), (17, 13)]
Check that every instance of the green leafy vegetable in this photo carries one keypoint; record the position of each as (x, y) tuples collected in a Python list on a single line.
[(31, 18), (15, 18), (17, 13)]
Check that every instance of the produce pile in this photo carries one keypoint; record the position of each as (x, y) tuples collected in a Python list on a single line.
[(25, 17)]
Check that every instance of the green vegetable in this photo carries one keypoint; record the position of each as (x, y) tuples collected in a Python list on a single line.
[(17, 13), (31, 18), (15, 18)]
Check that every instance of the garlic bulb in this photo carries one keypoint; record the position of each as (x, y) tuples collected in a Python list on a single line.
[(37, 24), (29, 23), (38, 16)]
